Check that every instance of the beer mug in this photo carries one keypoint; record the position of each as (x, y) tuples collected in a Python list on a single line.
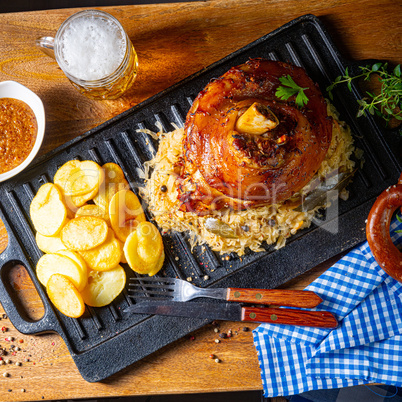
[(95, 53)]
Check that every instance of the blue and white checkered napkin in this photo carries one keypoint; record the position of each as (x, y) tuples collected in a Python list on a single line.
[(367, 345)]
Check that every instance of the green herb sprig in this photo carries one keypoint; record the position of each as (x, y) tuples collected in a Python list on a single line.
[(399, 220), (290, 88), (388, 103)]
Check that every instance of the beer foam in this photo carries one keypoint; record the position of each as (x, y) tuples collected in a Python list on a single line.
[(91, 48)]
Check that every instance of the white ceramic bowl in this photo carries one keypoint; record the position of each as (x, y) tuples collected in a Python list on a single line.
[(12, 89)]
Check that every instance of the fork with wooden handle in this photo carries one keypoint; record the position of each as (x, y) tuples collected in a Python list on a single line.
[(179, 290)]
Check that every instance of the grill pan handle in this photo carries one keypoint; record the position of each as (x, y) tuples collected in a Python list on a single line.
[(10, 257)]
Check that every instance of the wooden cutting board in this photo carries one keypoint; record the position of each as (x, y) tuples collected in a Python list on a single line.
[(172, 41)]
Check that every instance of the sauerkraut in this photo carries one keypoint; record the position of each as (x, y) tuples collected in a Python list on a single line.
[(269, 224)]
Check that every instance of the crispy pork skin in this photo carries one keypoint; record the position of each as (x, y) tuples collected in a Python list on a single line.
[(244, 147)]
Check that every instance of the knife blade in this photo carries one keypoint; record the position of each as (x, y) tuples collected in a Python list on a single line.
[(236, 312)]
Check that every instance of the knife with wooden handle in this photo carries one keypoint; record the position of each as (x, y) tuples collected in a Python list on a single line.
[(236, 312)]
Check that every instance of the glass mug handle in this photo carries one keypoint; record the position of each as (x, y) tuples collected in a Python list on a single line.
[(118, 80), (46, 44)]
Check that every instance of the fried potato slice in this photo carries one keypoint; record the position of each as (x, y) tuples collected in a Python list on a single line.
[(143, 249), (65, 296), (71, 207), (114, 181), (104, 286), (50, 264), (64, 172), (123, 259), (49, 244), (158, 265), (84, 233), (76, 258), (150, 245), (106, 256), (75, 202), (125, 213), (77, 178), (93, 210), (47, 210)]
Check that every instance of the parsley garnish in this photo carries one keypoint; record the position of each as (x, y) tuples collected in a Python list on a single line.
[(290, 88), (388, 103)]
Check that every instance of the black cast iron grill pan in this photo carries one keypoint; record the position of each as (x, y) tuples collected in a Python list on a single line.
[(104, 334)]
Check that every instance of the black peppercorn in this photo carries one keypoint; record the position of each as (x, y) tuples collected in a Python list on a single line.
[(163, 188)]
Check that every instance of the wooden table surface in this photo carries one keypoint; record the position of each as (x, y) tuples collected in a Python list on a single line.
[(172, 41)]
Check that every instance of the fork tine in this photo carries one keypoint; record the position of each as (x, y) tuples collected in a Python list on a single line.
[(151, 286), (147, 298), (153, 279), (152, 292)]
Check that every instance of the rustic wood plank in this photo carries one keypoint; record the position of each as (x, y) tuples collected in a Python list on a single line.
[(172, 41)]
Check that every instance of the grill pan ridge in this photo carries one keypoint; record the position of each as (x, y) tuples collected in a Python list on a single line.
[(105, 334)]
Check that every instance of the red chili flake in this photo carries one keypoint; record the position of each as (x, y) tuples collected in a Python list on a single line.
[(53, 343), (21, 341), (282, 139), (192, 337), (212, 356), (4, 329)]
